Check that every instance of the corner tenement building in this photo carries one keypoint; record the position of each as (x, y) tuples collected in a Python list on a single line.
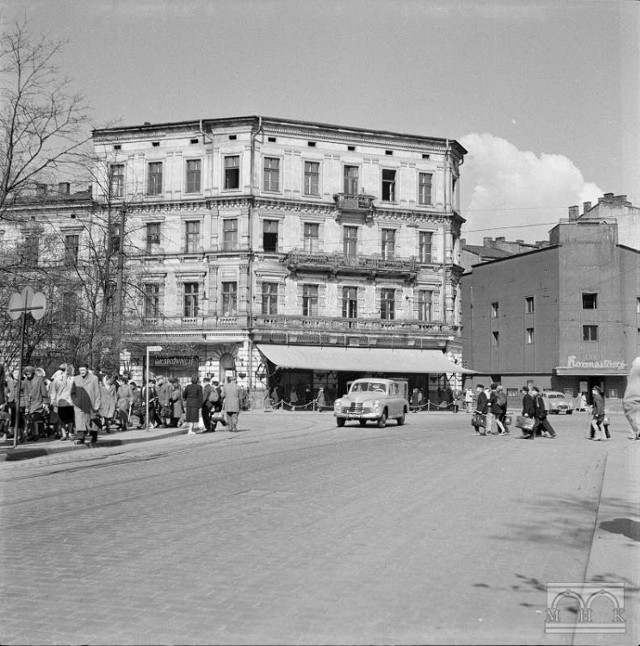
[(260, 243)]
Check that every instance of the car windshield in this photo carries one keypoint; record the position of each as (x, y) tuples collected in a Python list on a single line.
[(369, 386)]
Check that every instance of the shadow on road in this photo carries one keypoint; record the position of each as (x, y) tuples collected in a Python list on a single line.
[(625, 526)]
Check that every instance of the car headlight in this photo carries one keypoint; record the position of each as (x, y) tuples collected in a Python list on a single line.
[(337, 404), (376, 404)]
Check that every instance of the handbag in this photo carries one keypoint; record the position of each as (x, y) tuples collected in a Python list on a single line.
[(478, 419), (525, 423), (165, 411), (507, 420)]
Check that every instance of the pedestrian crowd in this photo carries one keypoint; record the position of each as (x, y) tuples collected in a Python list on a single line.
[(70, 406)]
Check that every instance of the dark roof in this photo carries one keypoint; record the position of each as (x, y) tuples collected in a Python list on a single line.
[(486, 252)]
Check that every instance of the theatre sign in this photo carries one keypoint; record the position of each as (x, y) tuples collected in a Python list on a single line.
[(595, 367)]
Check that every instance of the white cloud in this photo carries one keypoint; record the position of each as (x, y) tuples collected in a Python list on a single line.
[(515, 193)]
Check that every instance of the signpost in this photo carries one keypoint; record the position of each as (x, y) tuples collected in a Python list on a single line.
[(150, 348), (19, 305)]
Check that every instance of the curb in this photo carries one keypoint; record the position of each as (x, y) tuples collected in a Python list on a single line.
[(22, 452)]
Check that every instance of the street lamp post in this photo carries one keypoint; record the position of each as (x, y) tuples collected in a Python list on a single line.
[(150, 348)]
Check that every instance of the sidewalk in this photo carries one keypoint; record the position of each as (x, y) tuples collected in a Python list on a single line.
[(50, 446)]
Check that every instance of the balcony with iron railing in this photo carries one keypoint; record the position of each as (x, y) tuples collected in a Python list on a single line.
[(374, 265), (201, 322), (292, 323), (355, 206)]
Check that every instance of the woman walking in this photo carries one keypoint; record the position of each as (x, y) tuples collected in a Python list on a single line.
[(192, 397)]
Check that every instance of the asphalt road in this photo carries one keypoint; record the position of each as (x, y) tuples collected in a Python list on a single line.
[(295, 531)]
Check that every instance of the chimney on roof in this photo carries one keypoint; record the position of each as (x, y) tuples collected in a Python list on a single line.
[(64, 188), (520, 241), (487, 242), (586, 206), (500, 239), (574, 212)]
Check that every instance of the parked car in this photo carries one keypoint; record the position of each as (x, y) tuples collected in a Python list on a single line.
[(373, 399), (555, 402)]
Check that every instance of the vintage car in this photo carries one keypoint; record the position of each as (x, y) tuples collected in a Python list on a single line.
[(373, 399), (555, 402)]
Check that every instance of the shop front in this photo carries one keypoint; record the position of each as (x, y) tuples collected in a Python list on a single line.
[(297, 374), (579, 377)]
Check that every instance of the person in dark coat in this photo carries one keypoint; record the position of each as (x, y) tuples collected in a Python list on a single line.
[(482, 407), (597, 422), (192, 396), (206, 408), (542, 424)]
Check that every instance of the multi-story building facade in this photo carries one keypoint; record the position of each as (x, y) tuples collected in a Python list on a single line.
[(261, 243), (565, 317), (47, 243)]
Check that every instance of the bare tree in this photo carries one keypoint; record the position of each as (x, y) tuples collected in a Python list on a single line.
[(42, 122)]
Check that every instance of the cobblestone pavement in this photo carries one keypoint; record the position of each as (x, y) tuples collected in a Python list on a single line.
[(295, 531)]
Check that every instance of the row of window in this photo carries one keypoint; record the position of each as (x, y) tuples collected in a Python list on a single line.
[(272, 179), (153, 296), (589, 302), (270, 237), (589, 333)]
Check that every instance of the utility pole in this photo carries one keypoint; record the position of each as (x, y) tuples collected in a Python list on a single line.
[(120, 277)]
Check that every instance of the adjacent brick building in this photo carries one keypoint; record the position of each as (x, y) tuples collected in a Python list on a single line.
[(565, 316)]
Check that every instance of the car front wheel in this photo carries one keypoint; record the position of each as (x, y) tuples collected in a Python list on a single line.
[(340, 421), (382, 421), (401, 420)]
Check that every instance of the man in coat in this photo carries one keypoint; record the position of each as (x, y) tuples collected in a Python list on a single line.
[(163, 392), (232, 403), (36, 398), (85, 396), (482, 407), (542, 424)]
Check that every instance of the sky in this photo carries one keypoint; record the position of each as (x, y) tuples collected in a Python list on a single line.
[(544, 95)]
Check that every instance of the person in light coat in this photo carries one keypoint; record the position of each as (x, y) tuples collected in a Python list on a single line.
[(631, 398), (232, 403), (85, 395)]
